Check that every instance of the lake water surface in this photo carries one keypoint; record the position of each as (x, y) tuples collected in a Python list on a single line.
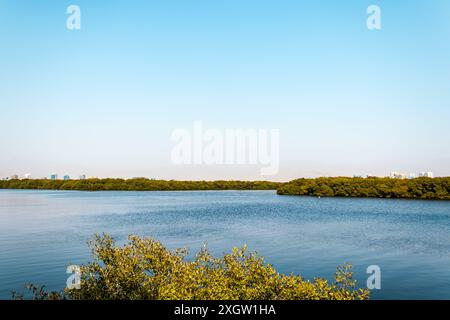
[(41, 232)]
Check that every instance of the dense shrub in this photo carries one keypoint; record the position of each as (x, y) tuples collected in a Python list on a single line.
[(144, 269), (137, 184), (420, 188)]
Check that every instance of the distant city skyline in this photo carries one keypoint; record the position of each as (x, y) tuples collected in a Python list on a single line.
[(104, 100), (55, 176)]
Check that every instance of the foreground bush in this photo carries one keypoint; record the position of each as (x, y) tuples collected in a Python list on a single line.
[(145, 269)]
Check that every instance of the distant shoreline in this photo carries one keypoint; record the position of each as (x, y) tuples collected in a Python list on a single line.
[(137, 184), (372, 187)]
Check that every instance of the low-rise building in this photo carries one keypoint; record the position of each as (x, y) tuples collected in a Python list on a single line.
[(412, 176), (428, 174), (398, 175)]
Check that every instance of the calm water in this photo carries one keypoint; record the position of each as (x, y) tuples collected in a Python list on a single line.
[(41, 232)]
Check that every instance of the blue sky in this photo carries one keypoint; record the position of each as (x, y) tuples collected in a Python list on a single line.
[(105, 99)]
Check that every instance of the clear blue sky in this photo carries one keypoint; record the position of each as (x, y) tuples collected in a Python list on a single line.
[(105, 99)]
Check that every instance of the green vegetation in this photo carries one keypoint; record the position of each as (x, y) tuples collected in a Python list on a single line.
[(420, 188), (138, 184), (144, 269)]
